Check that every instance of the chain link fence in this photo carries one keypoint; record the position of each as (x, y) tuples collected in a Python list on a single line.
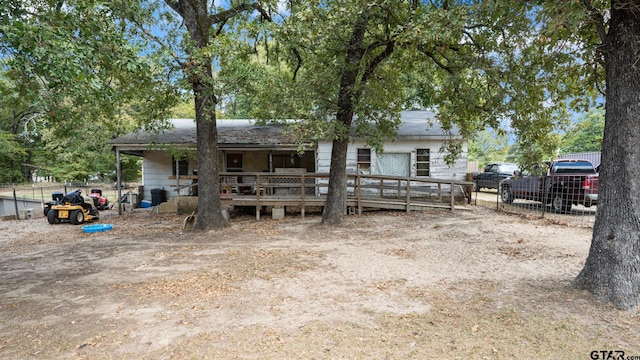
[(26, 200), (578, 215), (43, 191)]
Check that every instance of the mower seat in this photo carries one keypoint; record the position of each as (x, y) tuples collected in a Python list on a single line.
[(73, 197), (88, 202)]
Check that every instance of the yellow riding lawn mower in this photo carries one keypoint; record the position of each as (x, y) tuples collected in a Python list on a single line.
[(71, 207)]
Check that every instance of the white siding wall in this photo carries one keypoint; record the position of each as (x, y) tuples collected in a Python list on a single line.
[(323, 157), (156, 169), (323, 163), (439, 168)]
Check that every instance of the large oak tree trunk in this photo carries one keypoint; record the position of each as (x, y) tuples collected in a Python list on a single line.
[(336, 206), (209, 205), (195, 15), (348, 98), (612, 268)]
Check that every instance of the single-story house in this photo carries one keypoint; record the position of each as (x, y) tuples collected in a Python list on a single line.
[(247, 147)]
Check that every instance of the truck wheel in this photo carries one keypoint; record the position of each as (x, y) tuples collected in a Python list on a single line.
[(560, 203), (475, 187), (76, 217), (52, 217), (505, 194)]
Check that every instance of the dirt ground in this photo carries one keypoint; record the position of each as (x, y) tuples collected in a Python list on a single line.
[(387, 285)]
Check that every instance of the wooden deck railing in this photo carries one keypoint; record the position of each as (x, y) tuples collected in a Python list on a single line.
[(364, 191)]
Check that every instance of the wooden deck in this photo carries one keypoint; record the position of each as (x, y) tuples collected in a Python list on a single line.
[(280, 190)]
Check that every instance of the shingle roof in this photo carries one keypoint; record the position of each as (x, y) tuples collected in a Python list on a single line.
[(415, 125), (238, 132), (420, 123)]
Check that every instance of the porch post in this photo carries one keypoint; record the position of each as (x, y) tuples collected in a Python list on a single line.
[(452, 196), (224, 160), (177, 177), (359, 188), (408, 194), (119, 180)]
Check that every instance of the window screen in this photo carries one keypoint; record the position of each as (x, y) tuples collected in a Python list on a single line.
[(423, 162), (364, 161), (183, 165)]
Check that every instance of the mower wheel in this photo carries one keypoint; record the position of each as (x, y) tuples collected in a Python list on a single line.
[(76, 217), (52, 217)]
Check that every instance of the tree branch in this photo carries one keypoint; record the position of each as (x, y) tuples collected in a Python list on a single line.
[(151, 36), (432, 56), (376, 45), (221, 27), (299, 65), (368, 73), (256, 6), (223, 16), (597, 17), (174, 4)]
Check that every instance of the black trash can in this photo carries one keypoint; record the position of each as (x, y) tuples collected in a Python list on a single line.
[(57, 196), (158, 196)]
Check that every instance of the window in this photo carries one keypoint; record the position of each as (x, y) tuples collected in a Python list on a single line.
[(573, 167), (291, 160), (364, 161), (393, 164), (423, 162), (183, 165), (234, 163), (507, 168)]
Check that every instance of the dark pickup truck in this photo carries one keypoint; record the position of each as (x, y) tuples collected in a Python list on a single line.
[(566, 183), (492, 175)]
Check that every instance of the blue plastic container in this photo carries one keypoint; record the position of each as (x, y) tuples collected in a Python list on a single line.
[(145, 204), (97, 228)]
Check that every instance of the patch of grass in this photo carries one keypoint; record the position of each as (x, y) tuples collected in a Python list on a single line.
[(465, 323), (203, 289), (266, 264)]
